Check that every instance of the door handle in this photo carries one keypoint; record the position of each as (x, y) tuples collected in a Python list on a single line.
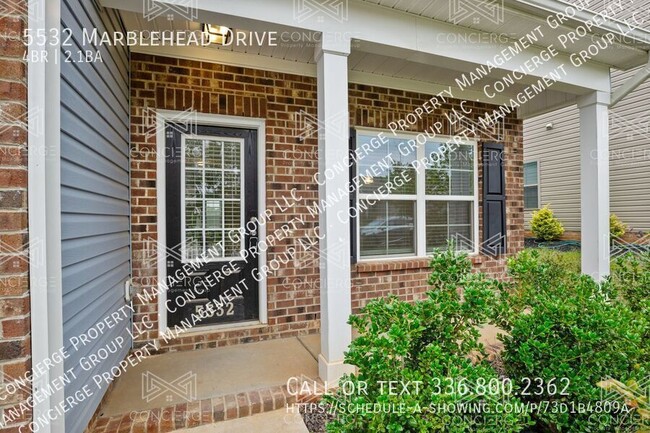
[(253, 223)]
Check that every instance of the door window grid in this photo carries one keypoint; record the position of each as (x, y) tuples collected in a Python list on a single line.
[(211, 196)]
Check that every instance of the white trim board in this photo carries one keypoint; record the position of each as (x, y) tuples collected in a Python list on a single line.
[(161, 183), (44, 211)]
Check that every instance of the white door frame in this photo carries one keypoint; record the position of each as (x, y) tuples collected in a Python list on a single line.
[(161, 182)]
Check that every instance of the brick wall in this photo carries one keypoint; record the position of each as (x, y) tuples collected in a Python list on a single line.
[(293, 292), (15, 349), (376, 107), (165, 83)]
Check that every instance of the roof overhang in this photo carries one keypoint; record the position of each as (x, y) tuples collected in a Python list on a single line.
[(413, 39)]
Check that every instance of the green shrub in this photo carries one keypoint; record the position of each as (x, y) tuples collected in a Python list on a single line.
[(545, 226), (616, 227), (567, 334), (631, 277), (540, 266), (433, 343)]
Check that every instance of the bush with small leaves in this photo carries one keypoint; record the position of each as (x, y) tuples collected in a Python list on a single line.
[(616, 227), (545, 226), (433, 343), (571, 332), (631, 277)]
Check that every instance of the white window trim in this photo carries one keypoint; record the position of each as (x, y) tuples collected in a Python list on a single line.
[(538, 185), (420, 200), (161, 182), (242, 153)]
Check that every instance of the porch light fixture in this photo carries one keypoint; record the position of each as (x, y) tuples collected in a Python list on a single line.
[(216, 34)]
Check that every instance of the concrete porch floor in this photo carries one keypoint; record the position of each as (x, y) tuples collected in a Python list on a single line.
[(220, 371), (236, 388)]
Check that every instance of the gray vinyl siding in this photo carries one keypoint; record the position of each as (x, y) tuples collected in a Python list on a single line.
[(94, 200), (558, 152)]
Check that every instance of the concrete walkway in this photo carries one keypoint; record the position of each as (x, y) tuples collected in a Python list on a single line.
[(278, 421)]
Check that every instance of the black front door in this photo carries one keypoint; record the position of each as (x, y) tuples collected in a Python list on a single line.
[(211, 192)]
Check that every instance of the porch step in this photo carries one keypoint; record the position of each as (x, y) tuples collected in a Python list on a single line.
[(278, 421), (196, 413)]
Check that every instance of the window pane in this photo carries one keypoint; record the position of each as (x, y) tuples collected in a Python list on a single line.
[(232, 214), (193, 153), (231, 157), (402, 171), (213, 187), (193, 214), (193, 184), (462, 237), (436, 220), (231, 185), (371, 166), (460, 212), (449, 173), (231, 243), (388, 228), (437, 182), (401, 227), (214, 242), (435, 157), (193, 244), (530, 173), (531, 197), (463, 158), (449, 220), (462, 182), (212, 154), (436, 237), (213, 214), (436, 212), (372, 230)]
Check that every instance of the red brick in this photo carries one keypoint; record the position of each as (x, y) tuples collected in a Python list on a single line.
[(12, 69), (15, 327), (222, 89)]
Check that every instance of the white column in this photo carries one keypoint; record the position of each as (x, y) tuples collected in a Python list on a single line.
[(335, 294), (594, 183)]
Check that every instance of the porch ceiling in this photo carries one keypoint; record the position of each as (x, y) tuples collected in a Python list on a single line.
[(367, 62), (406, 44)]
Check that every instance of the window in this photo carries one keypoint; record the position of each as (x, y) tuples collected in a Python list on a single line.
[(413, 197), (211, 196), (531, 185)]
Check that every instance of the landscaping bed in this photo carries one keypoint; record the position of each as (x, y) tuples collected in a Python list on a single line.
[(562, 246), (565, 337)]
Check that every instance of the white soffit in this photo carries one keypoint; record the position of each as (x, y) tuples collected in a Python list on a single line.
[(520, 16)]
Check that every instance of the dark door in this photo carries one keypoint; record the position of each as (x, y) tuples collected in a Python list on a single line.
[(211, 194)]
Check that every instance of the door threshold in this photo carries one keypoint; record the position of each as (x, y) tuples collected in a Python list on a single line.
[(223, 327)]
